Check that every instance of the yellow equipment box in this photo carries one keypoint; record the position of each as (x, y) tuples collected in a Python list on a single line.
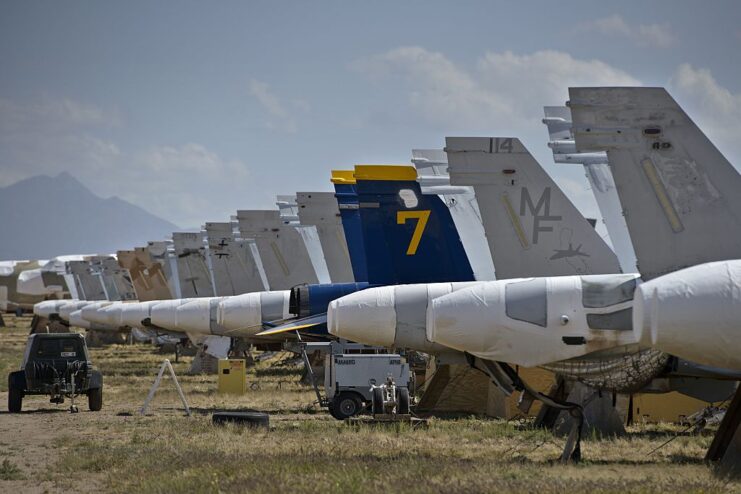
[(232, 376)]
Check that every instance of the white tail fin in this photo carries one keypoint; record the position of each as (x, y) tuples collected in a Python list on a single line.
[(193, 272), (433, 178), (597, 171), (233, 267), (531, 226), (89, 285), (681, 197), (283, 252), (320, 209)]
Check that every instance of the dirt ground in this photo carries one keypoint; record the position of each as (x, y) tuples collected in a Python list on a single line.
[(48, 449)]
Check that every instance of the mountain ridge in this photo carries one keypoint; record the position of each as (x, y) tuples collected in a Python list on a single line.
[(44, 216)]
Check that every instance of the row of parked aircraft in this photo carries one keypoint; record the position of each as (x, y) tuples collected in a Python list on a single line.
[(473, 255)]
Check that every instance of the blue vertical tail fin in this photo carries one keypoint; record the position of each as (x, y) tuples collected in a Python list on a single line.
[(408, 237), (347, 200)]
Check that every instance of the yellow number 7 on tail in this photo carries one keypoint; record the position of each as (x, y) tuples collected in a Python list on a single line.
[(421, 217)]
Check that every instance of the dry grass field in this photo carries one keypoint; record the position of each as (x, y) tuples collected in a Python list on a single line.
[(48, 449)]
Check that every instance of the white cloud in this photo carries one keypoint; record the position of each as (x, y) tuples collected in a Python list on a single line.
[(656, 35), (38, 136), (715, 109), (281, 113), (505, 91), (53, 115), (187, 184), (502, 95)]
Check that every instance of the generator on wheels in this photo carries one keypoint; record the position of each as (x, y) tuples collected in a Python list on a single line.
[(57, 365), (353, 373)]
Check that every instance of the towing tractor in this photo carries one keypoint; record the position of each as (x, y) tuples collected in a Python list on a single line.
[(58, 365)]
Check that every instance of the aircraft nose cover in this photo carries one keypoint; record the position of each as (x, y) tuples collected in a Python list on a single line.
[(694, 313), (367, 317), (195, 316), (49, 307), (164, 314)]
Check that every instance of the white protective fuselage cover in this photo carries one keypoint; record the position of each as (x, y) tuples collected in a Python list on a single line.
[(71, 306), (75, 319), (478, 320), (30, 282), (93, 313), (195, 316), (49, 307), (389, 316), (242, 315), (693, 313), (164, 314), (367, 316), (111, 314), (132, 314)]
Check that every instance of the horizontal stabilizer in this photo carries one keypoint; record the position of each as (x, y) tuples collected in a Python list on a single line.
[(296, 325)]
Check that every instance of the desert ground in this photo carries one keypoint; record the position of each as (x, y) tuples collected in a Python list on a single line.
[(48, 449)]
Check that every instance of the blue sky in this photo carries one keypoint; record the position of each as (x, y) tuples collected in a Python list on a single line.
[(193, 109)]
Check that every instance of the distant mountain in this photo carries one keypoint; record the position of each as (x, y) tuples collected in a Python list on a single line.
[(43, 217)]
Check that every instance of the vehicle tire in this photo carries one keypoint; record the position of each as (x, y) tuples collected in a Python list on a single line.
[(249, 419), (331, 408), (15, 400), (345, 405), (402, 401), (377, 401), (95, 399)]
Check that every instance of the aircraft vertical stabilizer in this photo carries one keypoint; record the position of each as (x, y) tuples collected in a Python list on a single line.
[(116, 280), (320, 209), (146, 274), (532, 228), (681, 197), (234, 267), (163, 253), (409, 237), (282, 250), (88, 285), (597, 171), (432, 175), (346, 194), (193, 272)]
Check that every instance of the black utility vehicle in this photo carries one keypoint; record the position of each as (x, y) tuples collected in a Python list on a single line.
[(58, 365)]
